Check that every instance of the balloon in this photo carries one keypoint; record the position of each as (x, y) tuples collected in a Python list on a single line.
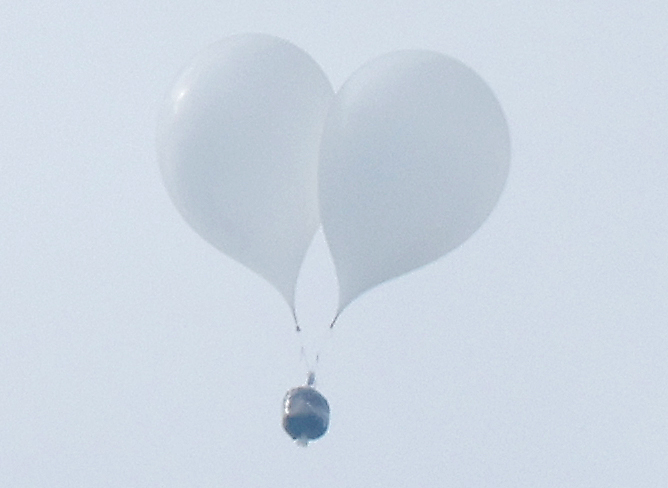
[(414, 156), (238, 147)]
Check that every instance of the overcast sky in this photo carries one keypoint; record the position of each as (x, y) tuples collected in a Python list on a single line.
[(134, 354)]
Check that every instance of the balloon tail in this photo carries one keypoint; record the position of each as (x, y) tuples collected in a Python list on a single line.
[(331, 326), (294, 316)]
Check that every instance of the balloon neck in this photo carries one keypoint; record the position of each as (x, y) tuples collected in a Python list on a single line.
[(336, 317), (294, 317), (310, 379)]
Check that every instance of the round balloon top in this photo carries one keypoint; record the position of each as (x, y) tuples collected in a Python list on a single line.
[(238, 145), (414, 156)]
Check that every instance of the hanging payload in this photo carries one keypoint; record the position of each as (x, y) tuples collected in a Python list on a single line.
[(305, 413)]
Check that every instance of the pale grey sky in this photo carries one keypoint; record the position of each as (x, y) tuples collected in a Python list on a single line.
[(132, 353)]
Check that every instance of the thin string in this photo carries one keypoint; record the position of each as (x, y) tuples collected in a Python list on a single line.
[(320, 344)]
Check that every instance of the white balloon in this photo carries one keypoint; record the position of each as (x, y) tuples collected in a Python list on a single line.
[(414, 156), (238, 147)]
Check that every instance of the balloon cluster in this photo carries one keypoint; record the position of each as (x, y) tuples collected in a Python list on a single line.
[(400, 166)]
